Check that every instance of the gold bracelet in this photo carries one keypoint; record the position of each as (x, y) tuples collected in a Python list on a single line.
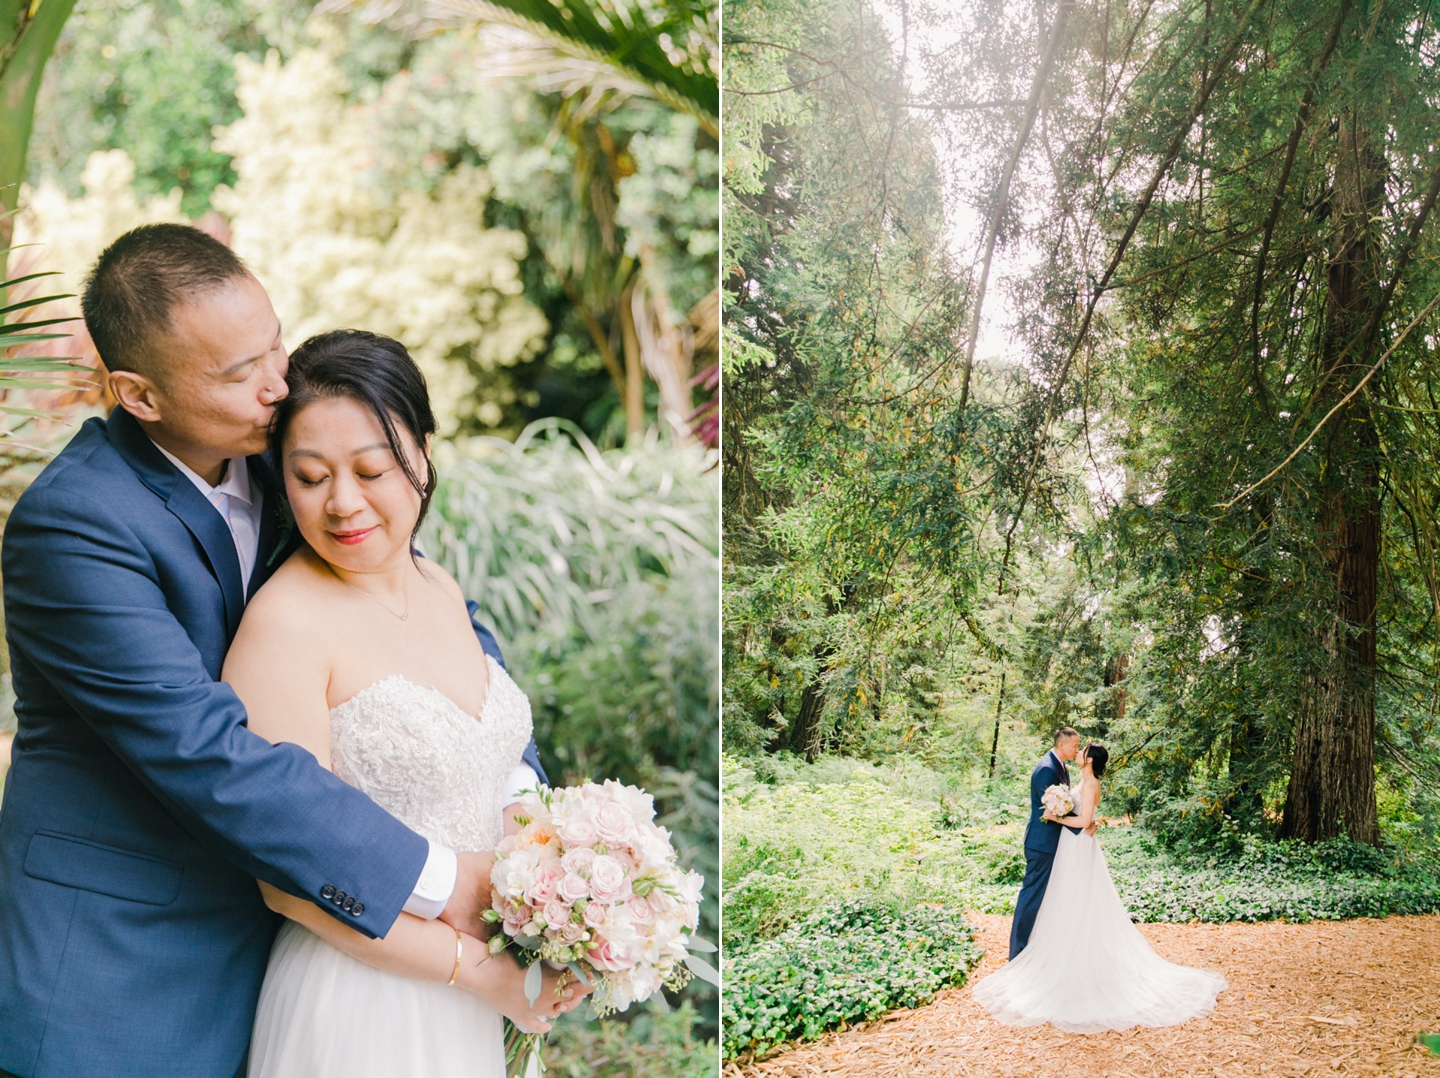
[(459, 950)]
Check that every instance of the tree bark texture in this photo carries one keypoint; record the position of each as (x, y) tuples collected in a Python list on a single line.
[(1332, 775)]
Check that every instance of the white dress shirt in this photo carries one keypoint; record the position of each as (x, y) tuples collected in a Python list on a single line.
[(240, 502)]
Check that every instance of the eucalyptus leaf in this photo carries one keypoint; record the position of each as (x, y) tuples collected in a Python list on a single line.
[(701, 945), (703, 969), (534, 979)]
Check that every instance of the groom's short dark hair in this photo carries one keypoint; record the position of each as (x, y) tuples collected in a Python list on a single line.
[(140, 279), (1064, 732)]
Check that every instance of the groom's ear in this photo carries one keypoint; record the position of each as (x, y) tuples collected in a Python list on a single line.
[(137, 394)]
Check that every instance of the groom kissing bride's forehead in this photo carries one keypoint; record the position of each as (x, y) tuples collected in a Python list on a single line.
[(141, 808)]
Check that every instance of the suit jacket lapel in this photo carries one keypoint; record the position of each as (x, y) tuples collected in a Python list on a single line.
[(1060, 766), (183, 499)]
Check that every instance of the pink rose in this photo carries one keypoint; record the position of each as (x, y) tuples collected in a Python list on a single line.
[(572, 888), (611, 956), (613, 824), (547, 877), (578, 833), (572, 932), (608, 882), (578, 861), (595, 914), (626, 856), (516, 915), (556, 913), (641, 910)]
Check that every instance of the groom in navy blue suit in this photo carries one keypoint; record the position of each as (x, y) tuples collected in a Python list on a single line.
[(139, 808), (1042, 837)]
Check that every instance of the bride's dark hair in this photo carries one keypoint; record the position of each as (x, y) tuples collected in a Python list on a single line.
[(1099, 756), (372, 370)]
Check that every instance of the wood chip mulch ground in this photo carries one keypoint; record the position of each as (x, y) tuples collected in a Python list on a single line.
[(1324, 998)]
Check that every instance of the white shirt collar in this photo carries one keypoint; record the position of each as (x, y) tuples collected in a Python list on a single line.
[(236, 482)]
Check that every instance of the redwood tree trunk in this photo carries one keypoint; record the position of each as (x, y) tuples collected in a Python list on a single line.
[(1332, 775), (807, 736)]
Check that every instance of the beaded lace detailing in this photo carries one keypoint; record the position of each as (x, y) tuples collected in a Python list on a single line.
[(436, 769)]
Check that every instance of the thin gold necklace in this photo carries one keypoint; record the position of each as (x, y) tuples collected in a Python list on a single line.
[(403, 617)]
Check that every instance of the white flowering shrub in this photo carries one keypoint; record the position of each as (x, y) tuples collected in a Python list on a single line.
[(68, 234), (336, 239), (339, 242)]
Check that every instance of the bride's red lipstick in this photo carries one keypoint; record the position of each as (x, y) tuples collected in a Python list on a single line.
[(351, 538)]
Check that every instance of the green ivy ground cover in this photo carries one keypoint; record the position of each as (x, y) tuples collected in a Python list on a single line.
[(847, 964)]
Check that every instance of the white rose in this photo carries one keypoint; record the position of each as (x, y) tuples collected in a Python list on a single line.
[(578, 832), (578, 861), (613, 824)]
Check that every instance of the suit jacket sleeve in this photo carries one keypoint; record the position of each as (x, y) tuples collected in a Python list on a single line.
[(492, 648), (84, 604), (1039, 783)]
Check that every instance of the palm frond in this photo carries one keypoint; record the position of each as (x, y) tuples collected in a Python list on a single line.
[(665, 49), (25, 372)]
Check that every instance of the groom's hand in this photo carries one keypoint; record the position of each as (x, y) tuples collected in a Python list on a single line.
[(471, 896)]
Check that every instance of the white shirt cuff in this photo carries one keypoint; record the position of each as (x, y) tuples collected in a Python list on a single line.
[(521, 779), (436, 884)]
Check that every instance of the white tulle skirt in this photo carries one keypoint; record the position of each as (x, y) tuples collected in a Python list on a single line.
[(1087, 968), (323, 1014)]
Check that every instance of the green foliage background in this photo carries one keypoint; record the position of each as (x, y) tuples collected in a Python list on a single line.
[(935, 555), (589, 181)]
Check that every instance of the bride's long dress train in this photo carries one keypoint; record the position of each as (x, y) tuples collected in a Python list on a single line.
[(323, 1014), (1087, 968)]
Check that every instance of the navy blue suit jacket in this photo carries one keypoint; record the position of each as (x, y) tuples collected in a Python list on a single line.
[(139, 807), (1040, 834)]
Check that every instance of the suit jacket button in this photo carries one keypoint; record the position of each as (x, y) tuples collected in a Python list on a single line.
[(347, 904), (328, 891), (357, 909), (339, 898)]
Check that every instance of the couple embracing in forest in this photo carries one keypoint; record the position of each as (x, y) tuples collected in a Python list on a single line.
[(1076, 959)]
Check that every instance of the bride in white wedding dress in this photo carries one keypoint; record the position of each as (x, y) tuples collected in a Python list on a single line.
[(364, 654), (1087, 968)]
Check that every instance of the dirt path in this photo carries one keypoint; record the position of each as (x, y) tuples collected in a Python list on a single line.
[(1326, 998)]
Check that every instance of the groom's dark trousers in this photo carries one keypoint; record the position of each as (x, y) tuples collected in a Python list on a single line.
[(1042, 839), (139, 808)]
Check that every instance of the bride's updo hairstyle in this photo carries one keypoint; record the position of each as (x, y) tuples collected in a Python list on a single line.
[(1099, 756), (376, 371)]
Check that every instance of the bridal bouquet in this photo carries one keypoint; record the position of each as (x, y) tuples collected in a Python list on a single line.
[(593, 884), (1058, 801)]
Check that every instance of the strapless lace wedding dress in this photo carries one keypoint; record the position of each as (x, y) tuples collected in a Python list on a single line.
[(323, 1014), (1087, 968)]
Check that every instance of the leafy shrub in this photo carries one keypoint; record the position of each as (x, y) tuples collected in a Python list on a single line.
[(1266, 881), (849, 963), (843, 828), (652, 1044)]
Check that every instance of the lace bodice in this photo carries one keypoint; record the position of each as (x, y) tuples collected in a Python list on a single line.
[(420, 757)]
